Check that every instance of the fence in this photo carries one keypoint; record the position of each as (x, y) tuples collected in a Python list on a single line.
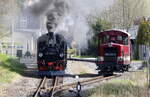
[(144, 52)]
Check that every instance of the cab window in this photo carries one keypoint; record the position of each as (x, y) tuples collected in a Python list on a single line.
[(119, 38), (105, 39), (125, 40)]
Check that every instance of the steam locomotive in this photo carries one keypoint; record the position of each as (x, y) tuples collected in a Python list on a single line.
[(114, 51), (51, 54)]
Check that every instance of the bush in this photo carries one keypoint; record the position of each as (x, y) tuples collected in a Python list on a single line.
[(97, 26), (9, 68)]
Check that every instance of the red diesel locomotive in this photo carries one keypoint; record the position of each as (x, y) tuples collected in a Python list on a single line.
[(113, 51)]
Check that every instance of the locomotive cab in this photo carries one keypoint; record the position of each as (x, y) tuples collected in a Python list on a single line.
[(113, 51)]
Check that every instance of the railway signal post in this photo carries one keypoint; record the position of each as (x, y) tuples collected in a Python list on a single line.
[(78, 87)]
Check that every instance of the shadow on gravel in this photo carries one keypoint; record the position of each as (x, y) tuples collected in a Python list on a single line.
[(31, 73), (142, 66), (86, 75)]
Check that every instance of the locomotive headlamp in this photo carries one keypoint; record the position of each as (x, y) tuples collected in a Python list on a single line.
[(110, 45), (120, 58), (100, 58), (61, 55), (40, 54)]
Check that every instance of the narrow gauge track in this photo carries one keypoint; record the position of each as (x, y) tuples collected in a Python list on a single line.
[(46, 83), (83, 83)]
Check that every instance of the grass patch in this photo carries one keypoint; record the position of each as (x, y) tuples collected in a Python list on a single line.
[(71, 51), (137, 60), (83, 72), (134, 85), (84, 56), (9, 68)]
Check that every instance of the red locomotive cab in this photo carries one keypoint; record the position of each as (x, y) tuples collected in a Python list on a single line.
[(113, 50)]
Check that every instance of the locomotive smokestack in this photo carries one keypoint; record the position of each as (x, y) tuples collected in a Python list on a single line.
[(51, 35)]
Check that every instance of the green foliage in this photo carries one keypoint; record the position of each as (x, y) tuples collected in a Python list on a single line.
[(8, 8), (71, 51), (9, 68), (84, 56), (97, 26), (100, 25), (143, 36)]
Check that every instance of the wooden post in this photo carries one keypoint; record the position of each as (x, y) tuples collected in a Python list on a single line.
[(148, 63)]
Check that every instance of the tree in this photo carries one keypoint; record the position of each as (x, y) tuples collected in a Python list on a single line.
[(123, 12), (8, 12), (143, 36), (97, 25)]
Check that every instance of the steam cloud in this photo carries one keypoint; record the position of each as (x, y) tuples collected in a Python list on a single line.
[(69, 17)]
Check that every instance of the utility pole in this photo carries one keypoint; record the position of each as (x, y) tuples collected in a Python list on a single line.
[(123, 13), (12, 39), (12, 28), (148, 64)]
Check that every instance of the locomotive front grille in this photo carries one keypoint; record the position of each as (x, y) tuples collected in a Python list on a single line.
[(110, 54), (110, 59)]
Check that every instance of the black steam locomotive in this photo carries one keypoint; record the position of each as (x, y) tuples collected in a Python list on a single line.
[(51, 54)]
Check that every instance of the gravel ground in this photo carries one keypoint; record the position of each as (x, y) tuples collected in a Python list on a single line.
[(23, 88), (77, 71)]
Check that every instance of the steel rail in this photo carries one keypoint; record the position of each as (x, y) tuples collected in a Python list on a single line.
[(71, 84), (40, 87), (43, 85), (83, 83), (54, 85)]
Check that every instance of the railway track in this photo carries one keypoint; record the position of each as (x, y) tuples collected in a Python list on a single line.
[(83, 83), (46, 83), (52, 87), (40, 87)]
